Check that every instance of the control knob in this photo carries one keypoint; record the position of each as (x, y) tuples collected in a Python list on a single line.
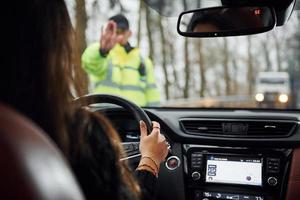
[(272, 181), (196, 176)]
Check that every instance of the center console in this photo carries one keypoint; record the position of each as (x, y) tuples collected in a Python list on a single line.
[(235, 173)]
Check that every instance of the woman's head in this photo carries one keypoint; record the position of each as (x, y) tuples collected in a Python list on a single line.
[(43, 71), (42, 67)]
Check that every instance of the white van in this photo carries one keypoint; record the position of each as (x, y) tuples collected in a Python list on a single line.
[(273, 88)]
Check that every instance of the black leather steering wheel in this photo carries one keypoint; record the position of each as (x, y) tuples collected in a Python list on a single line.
[(138, 112)]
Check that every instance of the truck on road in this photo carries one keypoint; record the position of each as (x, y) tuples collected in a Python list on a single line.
[(273, 90)]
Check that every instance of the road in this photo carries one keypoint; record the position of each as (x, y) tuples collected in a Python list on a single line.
[(240, 101)]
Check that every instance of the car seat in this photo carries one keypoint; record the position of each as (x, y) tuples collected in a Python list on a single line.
[(31, 165)]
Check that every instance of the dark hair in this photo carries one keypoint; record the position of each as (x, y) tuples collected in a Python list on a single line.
[(43, 74), (41, 68), (121, 21), (208, 18)]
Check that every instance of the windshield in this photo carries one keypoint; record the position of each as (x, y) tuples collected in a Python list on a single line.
[(190, 72)]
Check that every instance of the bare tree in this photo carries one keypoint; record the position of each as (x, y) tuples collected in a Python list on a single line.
[(278, 46), (266, 52), (218, 84), (114, 3), (186, 61), (172, 61), (164, 56), (186, 69), (80, 28), (227, 77), (81, 24), (235, 85), (250, 75), (202, 67), (139, 33), (149, 25)]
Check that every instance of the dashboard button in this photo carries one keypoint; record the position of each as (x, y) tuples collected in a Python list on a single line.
[(274, 159), (196, 166), (172, 163), (198, 195), (196, 176), (259, 198), (136, 146), (272, 181), (273, 171)]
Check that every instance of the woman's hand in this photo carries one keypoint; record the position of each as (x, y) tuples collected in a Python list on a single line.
[(153, 146)]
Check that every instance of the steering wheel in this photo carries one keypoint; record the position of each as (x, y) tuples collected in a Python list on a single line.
[(131, 148)]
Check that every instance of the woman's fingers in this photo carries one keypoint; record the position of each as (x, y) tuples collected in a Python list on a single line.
[(155, 125), (155, 130), (161, 138), (143, 129), (153, 145)]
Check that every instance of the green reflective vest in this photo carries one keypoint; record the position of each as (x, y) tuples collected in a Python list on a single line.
[(119, 74)]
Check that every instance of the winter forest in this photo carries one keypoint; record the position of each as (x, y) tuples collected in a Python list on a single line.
[(189, 68)]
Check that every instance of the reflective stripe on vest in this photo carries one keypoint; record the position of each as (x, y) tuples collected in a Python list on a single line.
[(151, 86), (121, 87), (109, 82), (128, 81)]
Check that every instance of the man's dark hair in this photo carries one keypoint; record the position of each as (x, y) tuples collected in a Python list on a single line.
[(121, 20)]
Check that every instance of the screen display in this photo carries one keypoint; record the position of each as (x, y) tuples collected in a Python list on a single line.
[(234, 170)]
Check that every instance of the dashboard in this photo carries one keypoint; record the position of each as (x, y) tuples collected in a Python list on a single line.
[(223, 154)]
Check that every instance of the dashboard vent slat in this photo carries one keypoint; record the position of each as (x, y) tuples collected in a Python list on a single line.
[(270, 128), (238, 128), (204, 127)]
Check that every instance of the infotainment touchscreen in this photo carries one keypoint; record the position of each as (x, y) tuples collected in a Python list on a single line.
[(233, 170)]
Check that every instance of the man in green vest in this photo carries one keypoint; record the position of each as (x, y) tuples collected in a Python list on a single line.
[(115, 67)]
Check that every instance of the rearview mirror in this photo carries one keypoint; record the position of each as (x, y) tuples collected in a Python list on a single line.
[(226, 21)]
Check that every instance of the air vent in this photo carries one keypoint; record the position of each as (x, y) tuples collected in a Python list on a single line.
[(238, 128), (270, 128), (202, 126)]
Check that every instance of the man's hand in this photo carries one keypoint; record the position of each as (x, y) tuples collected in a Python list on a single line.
[(109, 37)]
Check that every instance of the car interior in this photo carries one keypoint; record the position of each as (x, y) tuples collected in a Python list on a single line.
[(214, 153)]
